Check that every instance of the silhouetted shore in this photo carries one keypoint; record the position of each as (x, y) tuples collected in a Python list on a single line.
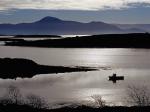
[(135, 40), (10, 39), (24, 68), (27, 108)]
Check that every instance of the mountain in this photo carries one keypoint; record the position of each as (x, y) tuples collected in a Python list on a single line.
[(54, 26), (141, 27)]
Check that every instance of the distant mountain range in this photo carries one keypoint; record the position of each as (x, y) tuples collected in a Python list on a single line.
[(54, 26), (141, 27)]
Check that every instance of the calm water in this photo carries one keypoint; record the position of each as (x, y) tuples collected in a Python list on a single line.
[(75, 87)]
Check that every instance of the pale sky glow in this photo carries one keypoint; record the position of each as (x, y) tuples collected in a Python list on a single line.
[(70, 4)]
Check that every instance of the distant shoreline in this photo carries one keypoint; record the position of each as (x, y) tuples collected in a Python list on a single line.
[(133, 40), (36, 36), (18, 38)]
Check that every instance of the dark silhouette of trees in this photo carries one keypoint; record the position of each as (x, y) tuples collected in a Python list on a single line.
[(138, 95), (13, 102), (36, 101), (12, 96), (98, 100)]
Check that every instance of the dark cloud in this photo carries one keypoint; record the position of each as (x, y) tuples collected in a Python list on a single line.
[(69, 4)]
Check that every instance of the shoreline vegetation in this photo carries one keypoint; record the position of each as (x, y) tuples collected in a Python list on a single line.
[(13, 101), (25, 68), (132, 40), (27, 108)]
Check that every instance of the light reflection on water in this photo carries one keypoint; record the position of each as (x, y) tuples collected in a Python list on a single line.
[(131, 63), (2, 43)]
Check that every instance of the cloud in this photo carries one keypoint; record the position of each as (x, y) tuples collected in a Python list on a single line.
[(70, 4)]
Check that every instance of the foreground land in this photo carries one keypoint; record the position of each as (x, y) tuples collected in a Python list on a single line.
[(135, 40), (13, 68), (27, 108)]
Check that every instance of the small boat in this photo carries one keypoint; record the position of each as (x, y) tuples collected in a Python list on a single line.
[(115, 78)]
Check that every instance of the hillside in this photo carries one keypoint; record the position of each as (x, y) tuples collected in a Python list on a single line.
[(54, 26)]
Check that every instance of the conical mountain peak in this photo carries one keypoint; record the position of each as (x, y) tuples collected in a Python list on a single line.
[(49, 19)]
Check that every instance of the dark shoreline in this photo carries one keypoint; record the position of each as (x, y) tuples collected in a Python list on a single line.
[(10, 39), (134, 40), (27, 108), (24, 68)]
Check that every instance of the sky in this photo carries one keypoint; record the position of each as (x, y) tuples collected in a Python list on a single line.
[(110, 11)]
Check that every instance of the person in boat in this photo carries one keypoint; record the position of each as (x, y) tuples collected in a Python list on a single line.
[(114, 78)]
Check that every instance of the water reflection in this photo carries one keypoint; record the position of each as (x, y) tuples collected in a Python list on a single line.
[(2, 43), (79, 86), (73, 87)]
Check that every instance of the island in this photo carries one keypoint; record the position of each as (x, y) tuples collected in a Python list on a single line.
[(11, 68), (132, 40)]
